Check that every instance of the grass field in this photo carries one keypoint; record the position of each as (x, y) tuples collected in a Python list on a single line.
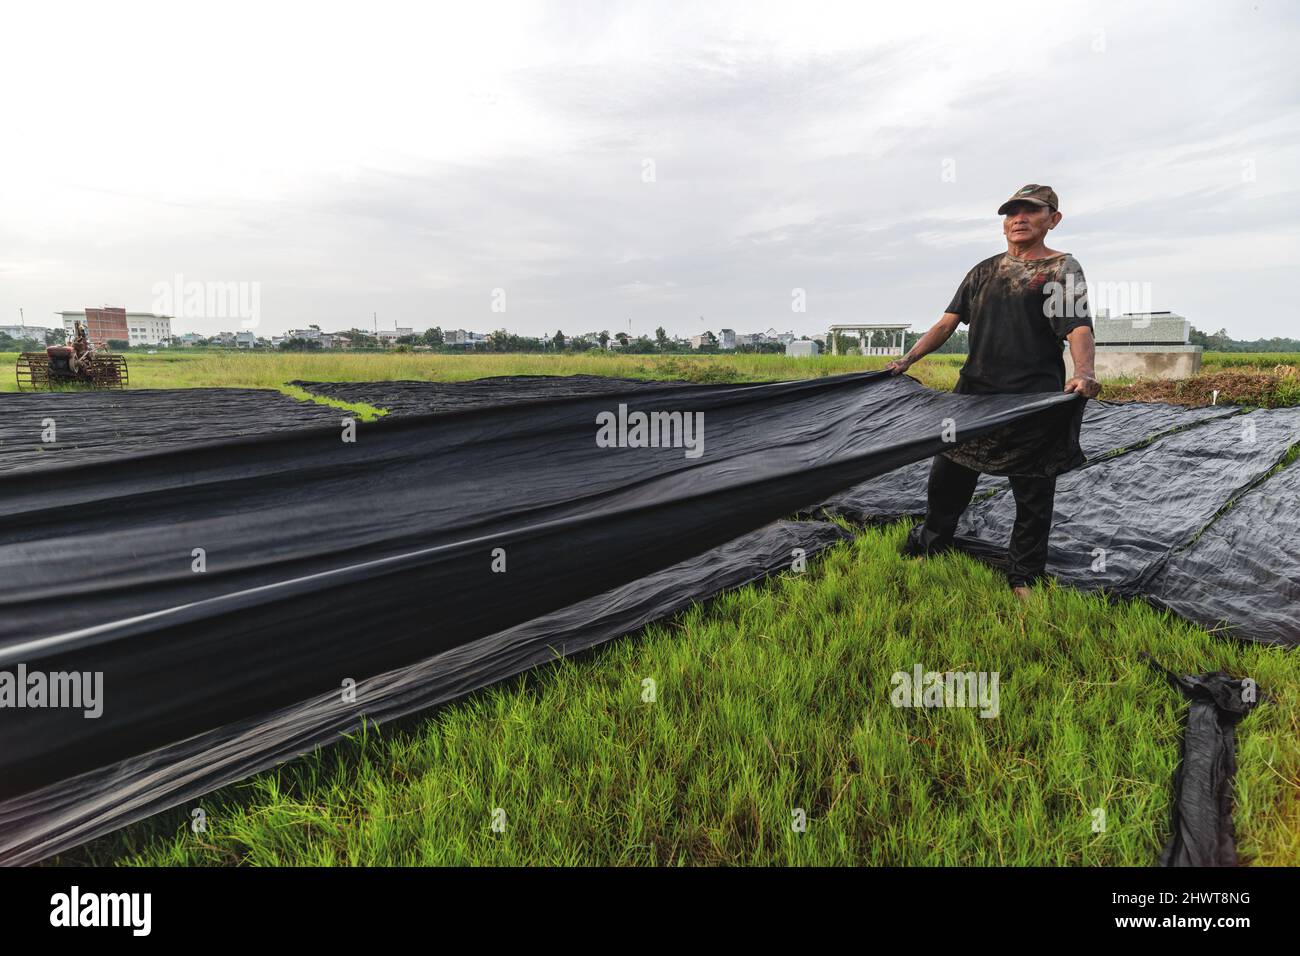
[(770, 700)]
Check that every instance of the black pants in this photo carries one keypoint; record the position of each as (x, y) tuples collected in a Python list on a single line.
[(951, 487)]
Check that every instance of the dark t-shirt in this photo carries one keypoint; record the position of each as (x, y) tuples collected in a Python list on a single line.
[(1019, 312)]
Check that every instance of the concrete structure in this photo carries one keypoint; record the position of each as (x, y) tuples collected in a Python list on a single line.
[(727, 338), (803, 348), (1143, 345), (701, 340), (34, 332), (134, 328), (390, 336), (896, 331), (245, 340), (461, 337)]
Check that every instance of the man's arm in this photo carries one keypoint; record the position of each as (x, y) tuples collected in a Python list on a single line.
[(1084, 352), (937, 334)]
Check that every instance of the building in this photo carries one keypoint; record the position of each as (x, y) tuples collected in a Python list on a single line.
[(727, 338), (803, 348), (461, 337), (245, 340), (895, 332), (311, 335), (390, 336), (191, 339), (35, 333), (118, 325), (1143, 344)]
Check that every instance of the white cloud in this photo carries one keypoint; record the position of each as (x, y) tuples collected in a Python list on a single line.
[(408, 159)]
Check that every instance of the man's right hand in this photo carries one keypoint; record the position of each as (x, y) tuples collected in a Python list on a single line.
[(899, 366)]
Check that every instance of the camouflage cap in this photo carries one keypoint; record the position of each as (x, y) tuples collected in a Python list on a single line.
[(1034, 193)]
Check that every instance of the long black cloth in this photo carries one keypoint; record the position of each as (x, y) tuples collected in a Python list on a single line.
[(1108, 428), (69, 812), (329, 560)]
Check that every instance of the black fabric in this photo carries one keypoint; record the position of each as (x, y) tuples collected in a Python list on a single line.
[(1201, 818), (1117, 521), (37, 825), (329, 560), (1242, 574), (418, 398), (1108, 428), (1115, 427), (93, 426)]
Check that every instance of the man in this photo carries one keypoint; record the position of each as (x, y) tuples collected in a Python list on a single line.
[(1020, 306)]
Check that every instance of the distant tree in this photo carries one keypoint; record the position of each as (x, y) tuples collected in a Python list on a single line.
[(362, 339), (557, 341), (662, 342), (118, 344), (603, 338), (433, 336), (300, 345), (55, 336)]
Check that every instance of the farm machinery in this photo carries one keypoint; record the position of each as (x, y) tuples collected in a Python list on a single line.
[(77, 363)]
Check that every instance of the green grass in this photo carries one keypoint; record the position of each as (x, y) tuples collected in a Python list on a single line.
[(187, 369), (776, 698), (1266, 361)]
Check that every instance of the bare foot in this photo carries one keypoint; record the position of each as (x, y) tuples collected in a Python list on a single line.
[(1021, 592)]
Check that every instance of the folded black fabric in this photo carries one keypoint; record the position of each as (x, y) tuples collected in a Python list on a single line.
[(214, 583), (70, 812), (1201, 819)]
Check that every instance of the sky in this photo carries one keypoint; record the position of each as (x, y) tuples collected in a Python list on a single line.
[(587, 166)]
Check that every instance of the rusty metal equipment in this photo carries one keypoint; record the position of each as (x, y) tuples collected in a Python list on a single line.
[(59, 365)]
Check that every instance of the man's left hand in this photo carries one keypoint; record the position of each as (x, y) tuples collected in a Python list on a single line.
[(1085, 385)]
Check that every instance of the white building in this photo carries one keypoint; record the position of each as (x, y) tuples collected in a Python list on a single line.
[(802, 348), (245, 340), (34, 332), (143, 328), (727, 339), (390, 336)]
